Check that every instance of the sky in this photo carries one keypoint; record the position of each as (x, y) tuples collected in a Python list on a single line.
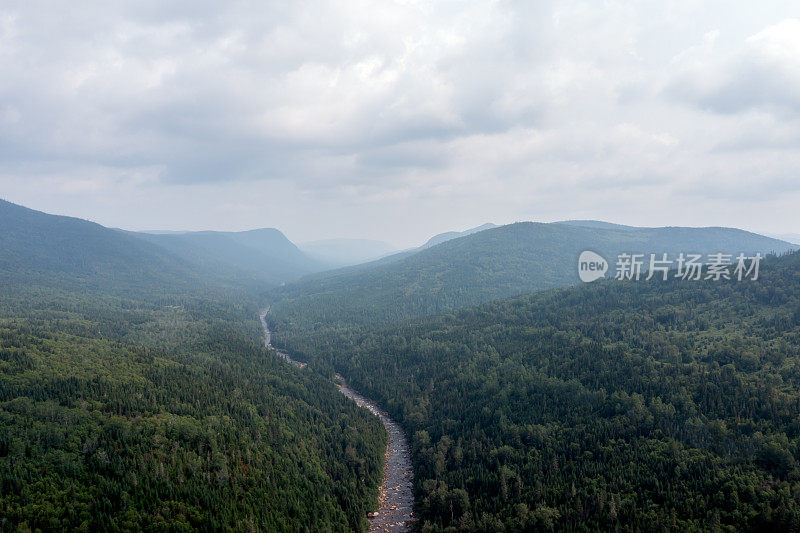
[(397, 120)]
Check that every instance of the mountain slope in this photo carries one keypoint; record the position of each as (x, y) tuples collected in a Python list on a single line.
[(450, 235), (57, 250), (265, 254), (793, 238), (136, 394), (493, 263), (596, 224), (610, 406), (395, 256)]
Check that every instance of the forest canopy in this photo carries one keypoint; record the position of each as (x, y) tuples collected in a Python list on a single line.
[(634, 405), (163, 412)]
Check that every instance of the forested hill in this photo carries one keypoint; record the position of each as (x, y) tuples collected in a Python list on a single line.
[(56, 250), (616, 405), (265, 255), (52, 250), (136, 394), (450, 235), (494, 263)]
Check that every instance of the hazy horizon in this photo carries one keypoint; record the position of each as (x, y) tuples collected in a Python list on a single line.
[(791, 237)]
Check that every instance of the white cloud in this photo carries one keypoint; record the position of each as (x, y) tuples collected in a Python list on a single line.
[(764, 73)]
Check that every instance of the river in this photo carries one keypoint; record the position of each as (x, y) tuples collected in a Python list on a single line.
[(396, 499)]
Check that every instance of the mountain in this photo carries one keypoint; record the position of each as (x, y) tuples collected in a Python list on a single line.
[(494, 263), (393, 256), (345, 252), (443, 237), (57, 250), (136, 394), (264, 254), (54, 250), (793, 238), (595, 224), (636, 406)]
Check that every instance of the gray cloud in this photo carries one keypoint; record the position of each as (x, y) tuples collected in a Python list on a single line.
[(455, 113), (245, 87)]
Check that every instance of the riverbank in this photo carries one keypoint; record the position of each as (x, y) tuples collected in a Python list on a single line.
[(396, 498)]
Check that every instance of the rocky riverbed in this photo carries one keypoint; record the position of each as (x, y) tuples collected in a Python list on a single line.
[(396, 498)]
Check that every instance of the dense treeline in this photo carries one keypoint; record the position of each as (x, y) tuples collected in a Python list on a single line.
[(135, 394), (38, 249), (495, 263), (165, 413), (637, 406)]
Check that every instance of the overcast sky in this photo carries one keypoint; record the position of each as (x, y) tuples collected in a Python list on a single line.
[(395, 120)]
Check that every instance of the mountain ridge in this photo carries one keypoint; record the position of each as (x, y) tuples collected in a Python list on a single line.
[(494, 263), (659, 392), (56, 249), (450, 235)]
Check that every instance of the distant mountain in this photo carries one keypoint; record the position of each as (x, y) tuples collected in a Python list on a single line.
[(65, 251), (344, 252), (793, 238), (163, 232), (265, 254), (450, 235), (595, 224), (494, 263), (117, 356), (394, 256), (668, 391), (433, 241)]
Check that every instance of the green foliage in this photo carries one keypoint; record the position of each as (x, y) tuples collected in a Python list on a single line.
[(263, 254), (635, 406), (135, 395), (127, 415), (37, 249), (495, 263)]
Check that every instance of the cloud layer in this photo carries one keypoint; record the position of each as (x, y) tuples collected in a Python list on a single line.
[(399, 119)]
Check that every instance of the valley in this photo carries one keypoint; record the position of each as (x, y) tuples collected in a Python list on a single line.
[(486, 389), (396, 501), (396, 498), (613, 405), (400, 267)]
